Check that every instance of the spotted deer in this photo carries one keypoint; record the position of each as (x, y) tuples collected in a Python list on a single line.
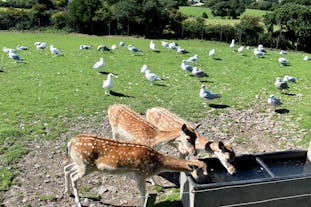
[(91, 153), (166, 120), (129, 125)]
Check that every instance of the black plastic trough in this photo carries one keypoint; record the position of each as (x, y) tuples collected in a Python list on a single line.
[(264, 180)]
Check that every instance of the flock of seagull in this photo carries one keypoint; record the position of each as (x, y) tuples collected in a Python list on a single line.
[(260, 51)]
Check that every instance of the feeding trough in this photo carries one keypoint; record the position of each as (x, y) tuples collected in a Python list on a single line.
[(262, 180)]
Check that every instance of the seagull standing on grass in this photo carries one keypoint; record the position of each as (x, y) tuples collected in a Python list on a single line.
[(208, 95), (307, 58), (185, 66), (144, 68), (283, 61), (274, 101), (212, 53), (85, 47), (198, 72), (55, 51), (259, 53), (152, 45), (165, 44), (281, 85), (152, 77), (99, 64), (122, 44), (41, 45), (193, 58), (14, 56), (103, 48), (181, 50), (20, 47), (107, 84), (133, 49), (288, 78), (241, 50), (232, 45)]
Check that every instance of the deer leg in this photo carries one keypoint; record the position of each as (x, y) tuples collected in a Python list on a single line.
[(75, 176), (67, 170), (140, 181)]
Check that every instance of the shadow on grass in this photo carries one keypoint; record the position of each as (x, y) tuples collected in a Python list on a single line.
[(282, 111), (218, 106), (206, 81), (290, 94), (103, 72), (168, 204), (160, 84), (113, 93), (217, 58)]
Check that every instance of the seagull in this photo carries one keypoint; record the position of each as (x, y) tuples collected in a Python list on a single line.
[(261, 48), (208, 95), (122, 44), (181, 50), (283, 61), (99, 64), (6, 49), (113, 47), (281, 85), (184, 65), (241, 49), (107, 84), (307, 58), (288, 78), (198, 72), (144, 68), (133, 49), (20, 47), (274, 101), (152, 45), (85, 47), (193, 58), (212, 52), (283, 52), (259, 53), (103, 48), (232, 45), (13, 55), (41, 45), (173, 45), (55, 51), (152, 77), (165, 44)]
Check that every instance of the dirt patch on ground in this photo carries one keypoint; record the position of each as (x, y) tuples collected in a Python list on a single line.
[(41, 180)]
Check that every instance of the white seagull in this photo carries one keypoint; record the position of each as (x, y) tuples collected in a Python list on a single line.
[(288, 78), (144, 68), (113, 47), (41, 45), (198, 72), (212, 53), (232, 45), (259, 53), (151, 76), (13, 55), (85, 47), (283, 61), (283, 52), (208, 95), (133, 49), (173, 45), (185, 66), (181, 50), (307, 58), (274, 101), (241, 50), (122, 44), (20, 47), (281, 85), (99, 64), (165, 44), (193, 58), (103, 48), (107, 84), (152, 45), (55, 51)]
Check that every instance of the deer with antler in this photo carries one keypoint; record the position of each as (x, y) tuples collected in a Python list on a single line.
[(166, 120), (129, 125), (90, 153)]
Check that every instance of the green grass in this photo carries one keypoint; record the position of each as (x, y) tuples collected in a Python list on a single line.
[(44, 96), (198, 11)]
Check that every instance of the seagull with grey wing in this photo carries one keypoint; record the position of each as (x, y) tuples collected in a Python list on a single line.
[(274, 101), (208, 95), (198, 72), (281, 85), (14, 56)]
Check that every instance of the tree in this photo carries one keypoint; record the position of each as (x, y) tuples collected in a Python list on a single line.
[(294, 21), (230, 8), (249, 30)]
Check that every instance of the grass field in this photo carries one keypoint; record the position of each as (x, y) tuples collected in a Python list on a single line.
[(198, 11), (43, 96)]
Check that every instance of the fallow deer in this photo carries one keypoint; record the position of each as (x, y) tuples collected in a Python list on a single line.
[(129, 125), (166, 120), (90, 153)]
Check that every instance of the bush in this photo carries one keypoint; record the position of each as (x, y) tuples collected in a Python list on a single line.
[(204, 15), (58, 20)]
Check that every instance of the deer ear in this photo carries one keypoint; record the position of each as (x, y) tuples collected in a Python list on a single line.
[(197, 126), (221, 146)]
